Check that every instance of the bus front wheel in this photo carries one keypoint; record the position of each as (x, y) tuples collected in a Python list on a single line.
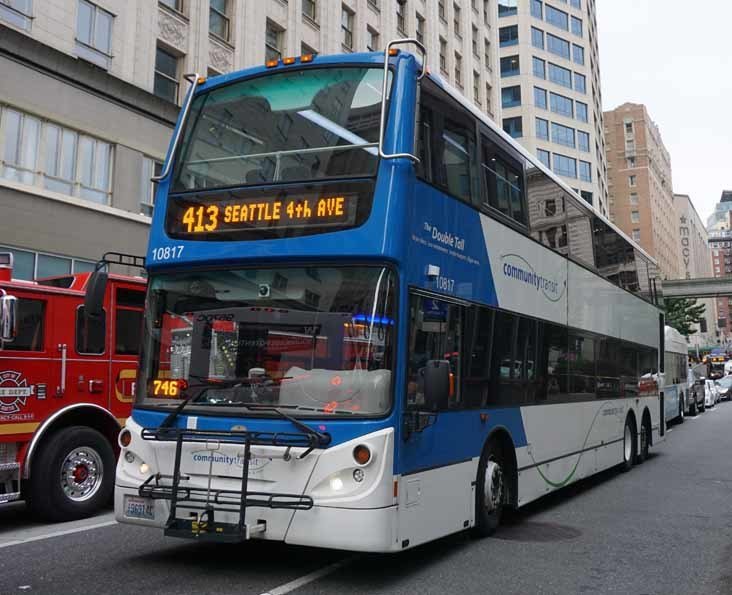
[(491, 489)]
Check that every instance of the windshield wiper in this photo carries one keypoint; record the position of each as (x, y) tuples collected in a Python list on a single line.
[(323, 439), (168, 421)]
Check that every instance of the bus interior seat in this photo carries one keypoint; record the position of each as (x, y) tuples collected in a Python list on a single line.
[(369, 389)]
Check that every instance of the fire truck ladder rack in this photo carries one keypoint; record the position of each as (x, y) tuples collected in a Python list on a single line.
[(203, 525), (120, 258)]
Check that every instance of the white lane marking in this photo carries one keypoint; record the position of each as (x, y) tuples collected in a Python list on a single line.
[(58, 533), (309, 578)]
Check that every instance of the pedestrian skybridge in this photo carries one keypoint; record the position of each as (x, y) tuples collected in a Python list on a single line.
[(697, 288)]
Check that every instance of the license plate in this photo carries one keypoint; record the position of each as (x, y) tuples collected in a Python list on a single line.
[(139, 508)]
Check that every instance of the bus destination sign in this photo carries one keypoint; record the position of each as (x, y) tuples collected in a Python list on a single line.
[(238, 217)]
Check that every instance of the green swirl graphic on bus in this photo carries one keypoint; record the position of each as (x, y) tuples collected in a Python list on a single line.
[(518, 268)]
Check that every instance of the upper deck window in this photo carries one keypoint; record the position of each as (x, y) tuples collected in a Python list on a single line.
[(290, 126)]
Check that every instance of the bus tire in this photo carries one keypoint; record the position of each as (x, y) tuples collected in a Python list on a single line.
[(73, 475), (681, 409), (645, 439), (629, 444), (491, 494)]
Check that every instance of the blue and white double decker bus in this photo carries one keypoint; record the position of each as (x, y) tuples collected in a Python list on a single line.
[(373, 319)]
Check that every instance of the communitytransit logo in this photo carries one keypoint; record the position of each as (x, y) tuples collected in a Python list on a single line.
[(516, 267)]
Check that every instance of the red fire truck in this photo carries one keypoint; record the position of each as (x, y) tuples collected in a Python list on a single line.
[(67, 378)]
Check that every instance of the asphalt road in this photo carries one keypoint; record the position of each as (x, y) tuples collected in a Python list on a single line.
[(663, 528)]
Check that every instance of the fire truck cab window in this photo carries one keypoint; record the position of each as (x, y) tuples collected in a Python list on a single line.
[(31, 326), (90, 333), (128, 321)]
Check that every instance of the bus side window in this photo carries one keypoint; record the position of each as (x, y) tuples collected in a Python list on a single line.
[(553, 379), (31, 326), (583, 371), (479, 342), (435, 334), (90, 333), (128, 321), (426, 127), (503, 183)]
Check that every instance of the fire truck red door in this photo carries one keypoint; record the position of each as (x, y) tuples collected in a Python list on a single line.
[(29, 368), (128, 302)]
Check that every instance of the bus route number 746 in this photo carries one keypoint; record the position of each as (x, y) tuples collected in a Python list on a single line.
[(167, 252)]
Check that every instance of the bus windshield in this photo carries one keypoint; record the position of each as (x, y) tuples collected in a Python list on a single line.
[(296, 125), (314, 340)]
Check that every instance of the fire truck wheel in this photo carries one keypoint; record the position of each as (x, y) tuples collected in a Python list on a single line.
[(73, 475)]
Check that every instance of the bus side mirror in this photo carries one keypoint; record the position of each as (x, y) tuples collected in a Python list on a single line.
[(437, 384), (94, 298), (8, 317)]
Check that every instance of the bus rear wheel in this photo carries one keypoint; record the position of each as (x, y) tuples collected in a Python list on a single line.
[(645, 440), (73, 475), (492, 489), (629, 444)]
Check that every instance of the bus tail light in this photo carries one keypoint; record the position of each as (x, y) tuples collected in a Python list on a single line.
[(125, 438), (362, 454)]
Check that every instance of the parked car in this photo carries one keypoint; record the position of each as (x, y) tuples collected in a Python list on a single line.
[(724, 387), (711, 393), (696, 377)]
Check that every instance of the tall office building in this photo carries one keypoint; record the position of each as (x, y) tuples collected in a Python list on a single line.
[(550, 89), (641, 189), (696, 263), (719, 228), (90, 93)]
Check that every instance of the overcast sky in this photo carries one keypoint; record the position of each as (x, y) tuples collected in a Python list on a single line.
[(677, 60)]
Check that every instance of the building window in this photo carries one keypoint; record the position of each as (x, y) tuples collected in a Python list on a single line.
[(580, 82), (560, 76), (576, 3), (441, 10), (557, 18), (17, 13), (511, 96), (633, 198), (273, 41), (74, 164), (583, 141), (375, 5), (487, 53), (372, 40), (540, 97), (306, 49), (560, 104), (476, 87), (578, 54), (176, 5), (456, 20), (420, 28), (587, 196), (443, 55), (539, 67), (166, 75), (565, 166), (458, 69), (577, 26), (537, 9), (30, 266), (508, 36), (563, 135), (629, 128), (557, 45), (218, 18), (150, 168), (585, 171), (474, 41), (631, 181), (537, 38), (630, 162), (510, 66), (635, 216), (544, 157), (513, 126), (401, 19), (347, 28), (581, 111), (94, 34), (542, 129), (486, 12), (310, 10), (506, 8)]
